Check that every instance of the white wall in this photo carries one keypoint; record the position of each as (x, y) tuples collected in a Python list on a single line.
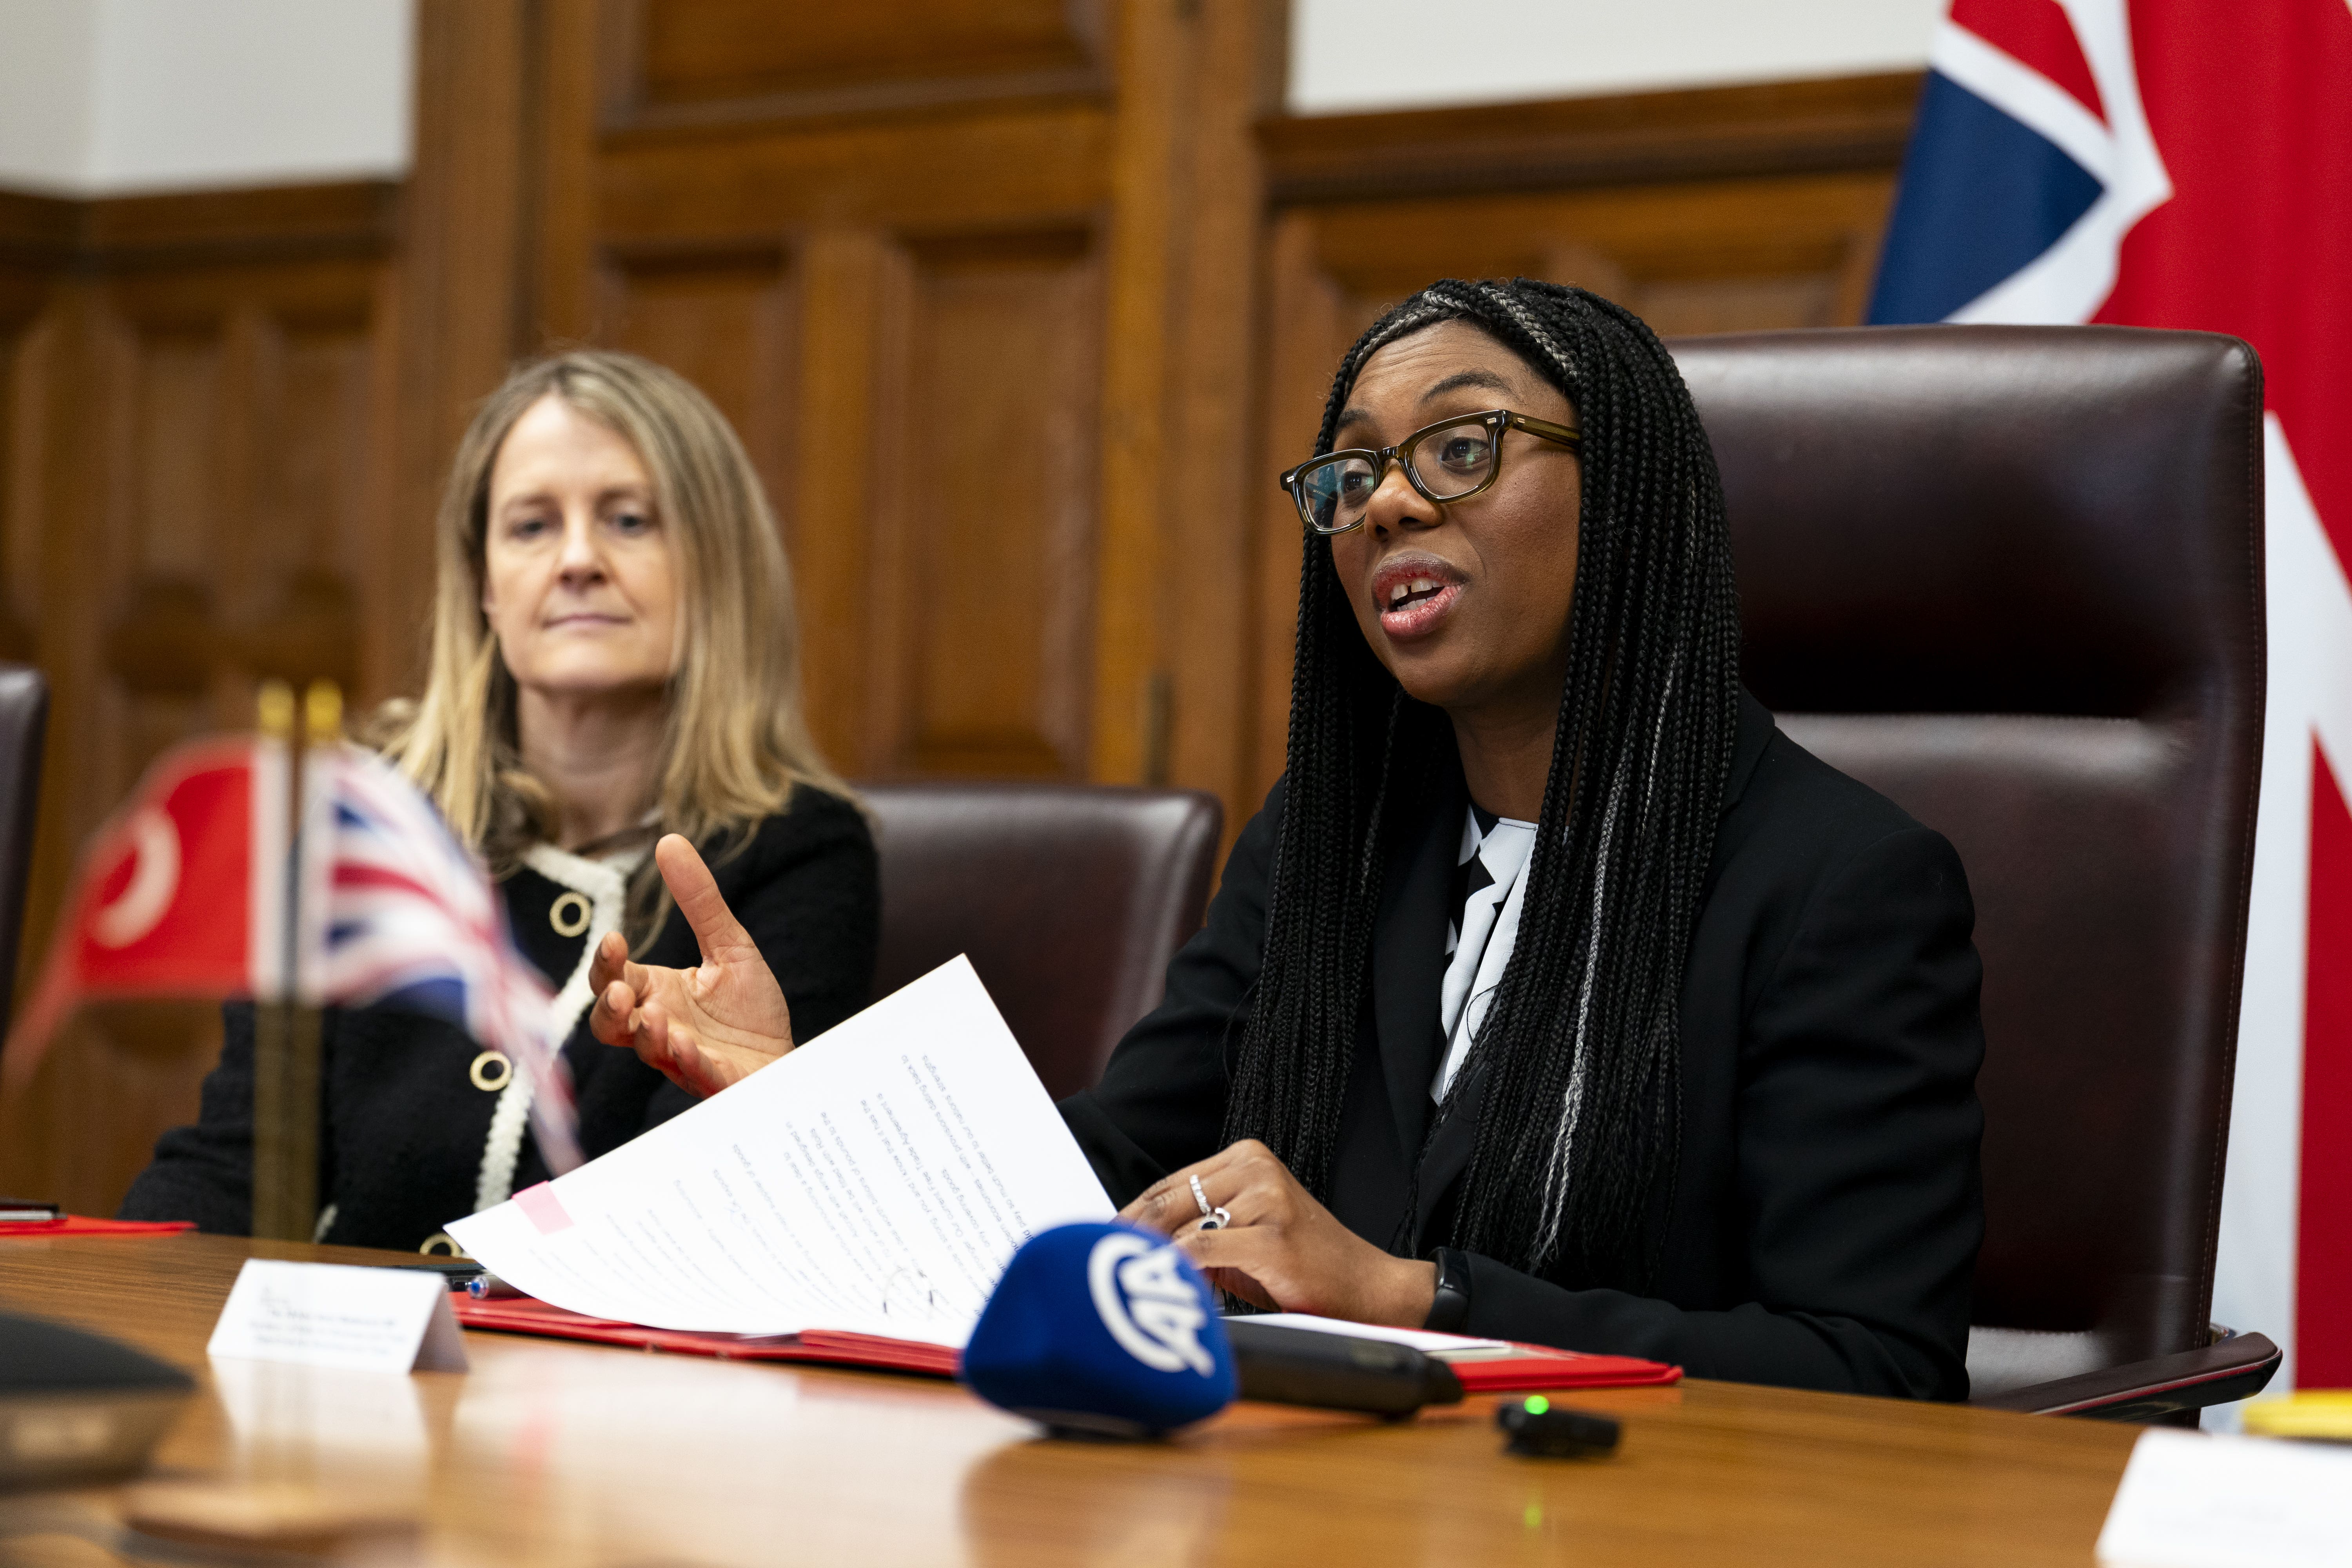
[(1352, 54), (113, 97), (48, 82)]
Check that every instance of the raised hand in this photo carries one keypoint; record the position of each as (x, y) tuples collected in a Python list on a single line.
[(701, 1028)]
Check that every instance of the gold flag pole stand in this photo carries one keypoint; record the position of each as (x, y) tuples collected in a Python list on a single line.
[(286, 1031)]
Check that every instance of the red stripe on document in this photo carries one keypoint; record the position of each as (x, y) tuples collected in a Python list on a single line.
[(2322, 1328), (543, 1209)]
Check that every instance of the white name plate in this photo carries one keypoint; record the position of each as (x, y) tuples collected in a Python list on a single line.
[(2189, 1500), (330, 1314)]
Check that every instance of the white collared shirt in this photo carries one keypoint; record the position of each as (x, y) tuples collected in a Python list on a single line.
[(1490, 887)]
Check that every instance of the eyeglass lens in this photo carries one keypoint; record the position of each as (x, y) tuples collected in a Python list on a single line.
[(1449, 461)]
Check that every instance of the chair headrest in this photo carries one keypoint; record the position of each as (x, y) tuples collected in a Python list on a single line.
[(2039, 519)]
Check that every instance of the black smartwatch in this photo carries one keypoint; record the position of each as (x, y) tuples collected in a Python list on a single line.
[(1451, 1309)]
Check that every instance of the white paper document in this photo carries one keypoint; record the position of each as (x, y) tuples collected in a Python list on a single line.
[(2191, 1501), (1426, 1341), (875, 1180)]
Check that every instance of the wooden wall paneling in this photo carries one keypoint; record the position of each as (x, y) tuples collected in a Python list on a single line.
[(897, 546), (985, 458), (36, 240), (463, 290), (996, 166), (1619, 140), (203, 391), (939, 176), (1303, 323), (57, 384), (1143, 314), (48, 429), (565, 100), (1170, 650), (253, 451), (64, 487), (1697, 256), (23, 437), (317, 505), (718, 61), (497, 262), (35, 234), (836, 490), (116, 1073), (173, 406), (1216, 473), (727, 321)]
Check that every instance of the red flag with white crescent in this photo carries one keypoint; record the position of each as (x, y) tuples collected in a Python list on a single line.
[(182, 894)]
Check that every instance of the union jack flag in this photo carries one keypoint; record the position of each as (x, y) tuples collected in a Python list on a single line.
[(2189, 164), (391, 907)]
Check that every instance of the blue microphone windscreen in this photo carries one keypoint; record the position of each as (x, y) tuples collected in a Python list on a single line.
[(1103, 1329)]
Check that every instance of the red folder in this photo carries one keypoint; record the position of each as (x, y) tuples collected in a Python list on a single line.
[(82, 1224), (1511, 1370), (522, 1315), (1523, 1369)]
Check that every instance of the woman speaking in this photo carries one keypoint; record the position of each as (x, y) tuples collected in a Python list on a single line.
[(612, 658), (1554, 995)]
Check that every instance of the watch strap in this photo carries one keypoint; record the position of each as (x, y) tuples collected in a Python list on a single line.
[(1451, 1308)]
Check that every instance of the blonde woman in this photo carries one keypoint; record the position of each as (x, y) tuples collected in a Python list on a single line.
[(612, 659)]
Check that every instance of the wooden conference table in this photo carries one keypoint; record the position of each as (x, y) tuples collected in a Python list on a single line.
[(548, 1453)]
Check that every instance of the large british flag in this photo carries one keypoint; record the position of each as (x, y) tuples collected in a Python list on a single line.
[(2189, 164)]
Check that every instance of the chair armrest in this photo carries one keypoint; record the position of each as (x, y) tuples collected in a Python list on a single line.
[(2231, 1368)]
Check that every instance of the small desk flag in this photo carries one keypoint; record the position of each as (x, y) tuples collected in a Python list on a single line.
[(187, 892)]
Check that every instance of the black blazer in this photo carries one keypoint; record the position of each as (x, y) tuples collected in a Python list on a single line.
[(1821, 1227), (403, 1137)]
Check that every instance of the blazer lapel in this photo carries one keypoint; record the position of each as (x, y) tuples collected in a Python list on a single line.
[(1449, 1153), (1409, 963), (1449, 1149)]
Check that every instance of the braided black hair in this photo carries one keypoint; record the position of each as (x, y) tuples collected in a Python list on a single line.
[(1580, 1114)]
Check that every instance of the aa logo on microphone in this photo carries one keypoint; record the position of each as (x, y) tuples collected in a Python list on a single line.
[(1149, 1308)]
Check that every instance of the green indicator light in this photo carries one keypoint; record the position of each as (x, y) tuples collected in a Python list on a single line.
[(1533, 1516), (1537, 1404)]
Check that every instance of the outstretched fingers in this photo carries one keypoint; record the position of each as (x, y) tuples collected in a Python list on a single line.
[(611, 962), (612, 957), (674, 1052), (611, 1020), (716, 932)]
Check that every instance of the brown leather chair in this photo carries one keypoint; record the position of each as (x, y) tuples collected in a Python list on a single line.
[(1070, 899), (2012, 578), (23, 724)]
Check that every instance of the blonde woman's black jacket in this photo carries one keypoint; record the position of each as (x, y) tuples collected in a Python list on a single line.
[(1821, 1228), (410, 1140)]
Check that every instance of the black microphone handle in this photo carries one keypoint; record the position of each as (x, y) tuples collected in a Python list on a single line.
[(1289, 1365)]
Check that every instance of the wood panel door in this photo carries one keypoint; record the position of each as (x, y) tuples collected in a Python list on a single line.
[(194, 485), (958, 243)]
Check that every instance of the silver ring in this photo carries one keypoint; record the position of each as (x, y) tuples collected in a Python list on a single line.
[(1202, 1198), (1217, 1219)]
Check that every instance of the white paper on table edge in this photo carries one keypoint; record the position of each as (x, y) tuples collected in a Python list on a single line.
[(961, 963)]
